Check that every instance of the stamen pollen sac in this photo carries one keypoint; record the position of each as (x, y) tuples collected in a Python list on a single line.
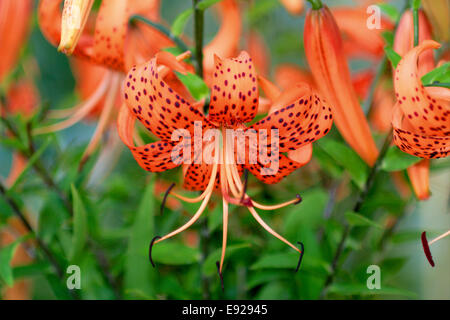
[(74, 17), (299, 199)]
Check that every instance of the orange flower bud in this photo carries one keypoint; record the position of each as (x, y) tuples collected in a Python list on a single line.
[(325, 55)]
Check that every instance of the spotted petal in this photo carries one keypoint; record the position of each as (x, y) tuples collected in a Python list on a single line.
[(234, 93), (160, 108)]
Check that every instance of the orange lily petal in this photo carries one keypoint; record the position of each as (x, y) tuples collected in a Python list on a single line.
[(323, 47), (14, 22), (425, 113), (154, 157), (404, 39), (160, 109), (419, 176), (234, 94)]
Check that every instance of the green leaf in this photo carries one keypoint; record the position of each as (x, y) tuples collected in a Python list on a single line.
[(356, 219), (175, 253), (389, 10), (6, 255), (348, 159), (196, 86), (393, 56), (308, 212), (388, 37), (210, 268), (136, 257), (30, 270), (31, 162), (396, 160), (180, 22), (80, 228), (205, 4), (438, 75)]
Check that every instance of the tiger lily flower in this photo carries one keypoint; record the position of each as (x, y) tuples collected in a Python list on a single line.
[(358, 40), (104, 53), (294, 7), (299, 115), (404, 42), (14, 15), (426, 245), (326, 59), (421, 115)]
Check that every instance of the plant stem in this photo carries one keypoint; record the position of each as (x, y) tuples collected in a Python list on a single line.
[(51, 184), (204, 232), (316, 4), (46, 250), (415, 11), (361, 198), (183, 47), (198, 34)]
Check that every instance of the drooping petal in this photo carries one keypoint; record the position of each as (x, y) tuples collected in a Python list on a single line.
[(283, 167), (160, 109), (414, 142), (15, 17), (419, 176), (323, 48), (304, 121), (154, 157), (234, 93), (403, 43), (225, 43), (426, 114)]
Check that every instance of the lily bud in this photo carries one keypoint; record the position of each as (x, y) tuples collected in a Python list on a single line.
[(327, 61), (74, 18)]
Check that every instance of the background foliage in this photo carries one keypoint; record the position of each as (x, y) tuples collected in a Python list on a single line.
[(114, 212)]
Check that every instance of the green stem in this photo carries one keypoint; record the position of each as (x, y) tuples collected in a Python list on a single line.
[(45, 250), (51, 184), (316, 4), (198, 34), (362, 197), (415, 8), (180, 44)]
